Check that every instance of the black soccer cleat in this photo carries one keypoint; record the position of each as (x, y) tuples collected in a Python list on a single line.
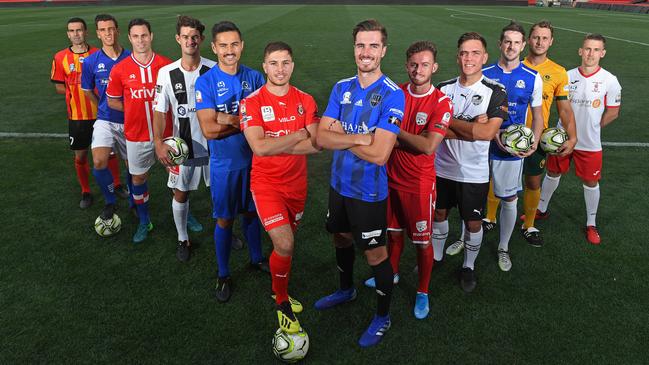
[(468, 280), (223, 289), (532, 236), (108, 211), (183, 251), (121, 192), (86, 201), (262, 266)]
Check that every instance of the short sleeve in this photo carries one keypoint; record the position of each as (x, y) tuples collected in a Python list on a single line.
[(57, 74), (311, 111), (613, 93), (561, 90), (115, 88), (249, 114), (204, 97), (333, 107), (392, 112), (537, 92), (498, 104), (441, 118), (87, 76), (161, 101)]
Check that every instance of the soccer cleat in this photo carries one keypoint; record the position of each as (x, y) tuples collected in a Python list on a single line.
[(504, 261), (223, 289), (468, 280), (237, 244), (183, 251), (421, 306), (455, 248), (371, 282), (107, 212), (86, 201), (260, 266), (142, 232), (338, 297), (532, 236), (487, 225), (539, 216), (286, 318), (193, 224), (296, 306), (374, 333), (121, 192), (592, 235)]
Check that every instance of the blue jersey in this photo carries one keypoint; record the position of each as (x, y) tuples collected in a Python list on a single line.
[(524, 88), (222, 92), (361, 111), (96, 69)]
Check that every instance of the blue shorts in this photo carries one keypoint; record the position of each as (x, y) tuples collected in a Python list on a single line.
[(230, 193)]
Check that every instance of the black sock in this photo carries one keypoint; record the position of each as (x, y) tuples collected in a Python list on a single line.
[(345, 261), (383, 275)]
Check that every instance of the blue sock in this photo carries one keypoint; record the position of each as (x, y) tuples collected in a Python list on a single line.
[(141, 197), (252, 231), (105, 182), (129, 183), (223, 246)]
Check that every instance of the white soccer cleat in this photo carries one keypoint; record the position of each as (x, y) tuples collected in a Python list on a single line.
[(455, 248)]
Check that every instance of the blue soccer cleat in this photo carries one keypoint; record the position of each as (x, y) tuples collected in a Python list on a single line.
[(421, 306), (375, 331), (142, 232), (338, 297), (193, 224)]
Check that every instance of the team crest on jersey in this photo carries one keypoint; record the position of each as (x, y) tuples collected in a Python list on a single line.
[(346, 98), (596, 86), (181, 111), (300, 109), (421, 226), (245, 85), (520, 84), (421, 118), (267, 113), (476, 99), (72, 67), (546, 77), (375, 99)]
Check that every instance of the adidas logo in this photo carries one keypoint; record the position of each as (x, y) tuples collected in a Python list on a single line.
[(373, 242), (359, 102)]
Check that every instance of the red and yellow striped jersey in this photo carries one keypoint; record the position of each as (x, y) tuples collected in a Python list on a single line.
[(66, 69)]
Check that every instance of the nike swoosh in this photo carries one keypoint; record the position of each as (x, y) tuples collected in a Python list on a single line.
[(221, 94)]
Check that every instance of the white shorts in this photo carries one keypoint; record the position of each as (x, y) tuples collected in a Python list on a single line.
[(187, 178), (507, 177), (141, 156), (109, 134)]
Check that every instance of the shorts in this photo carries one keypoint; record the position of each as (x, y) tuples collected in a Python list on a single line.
[(411, 211), (188, 177), (588, 164), (80, 133), (470, 198), (140, 156), (367, 221), (109, 134), (276, 208), (506, 176), (230, 193), (534, 164)]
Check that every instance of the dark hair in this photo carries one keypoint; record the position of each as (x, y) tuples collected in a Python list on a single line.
[(471, 36), (595, 37), (138, 21), (224, 26), (187, 21), (421, 46), (512, 27), (78, 20), (543, 24), (105, 18), (277, 46), (369, 26)]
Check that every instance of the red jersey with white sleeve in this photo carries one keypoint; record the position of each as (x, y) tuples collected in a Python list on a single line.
[(431, 112), (135, 82), (278, 116)]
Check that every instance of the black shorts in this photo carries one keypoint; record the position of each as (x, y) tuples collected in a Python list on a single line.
[(366, 221), (80, 133), (470, 198)]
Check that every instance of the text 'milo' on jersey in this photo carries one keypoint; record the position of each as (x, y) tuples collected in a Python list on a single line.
[(96, 72), (67, 68), (555, 86)]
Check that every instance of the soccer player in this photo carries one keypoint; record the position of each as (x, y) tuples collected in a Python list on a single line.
[(411, 167), (108, 130), (280, 123), (218, 93), (361, 124), (462, 161), (131, 89), (175, 91), (596, 96), (82, 111)]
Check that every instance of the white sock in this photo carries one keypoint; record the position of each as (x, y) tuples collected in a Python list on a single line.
[(550, 184), (472, 245), (507, 222), (440, 234), (181, 211), (462, 228), (591, 196)]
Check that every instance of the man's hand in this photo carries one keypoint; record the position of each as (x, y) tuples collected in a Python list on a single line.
[(482, 119), (162, 152), (567, 147)]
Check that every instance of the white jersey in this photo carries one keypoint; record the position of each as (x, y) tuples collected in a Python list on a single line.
[(468, 161), (589, 96), (175, 90)]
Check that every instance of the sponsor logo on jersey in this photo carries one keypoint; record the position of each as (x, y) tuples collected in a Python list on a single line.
[(421, 226), (131, 76), (267, 113), (199, 97), (142, 93), (276, 134), (274, 218), (476, 99), (287, 119), (375, 99), (520, 84), (420, 118), (346, 98), (396, 112), (181, 111), (300, 109), (370, 234), (596, 103)]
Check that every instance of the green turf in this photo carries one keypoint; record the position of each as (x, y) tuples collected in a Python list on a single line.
[(67, 296)]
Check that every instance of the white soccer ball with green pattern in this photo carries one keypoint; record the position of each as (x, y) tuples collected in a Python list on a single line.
[(290, 347), (552, 139), (179, 150), (517, 138), (108, 227)]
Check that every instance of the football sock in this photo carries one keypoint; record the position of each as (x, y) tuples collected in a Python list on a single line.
[(223, 246), (180, 211), (129, 182), (471, 247), (440, 234), (141, 198), (383, 275), (83, 172), (530, 203), (105, 182), (113, 166), (507, 222), (462, 229), (591, 196), (252, 232), (492, 203), (550, 185), (280, 268), (425, 266), (395, 247), (345, 262)]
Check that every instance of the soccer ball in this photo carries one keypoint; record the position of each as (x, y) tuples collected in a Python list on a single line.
[(517, 138), (290, 347), (179, 150), (109, 227), (552, 139)]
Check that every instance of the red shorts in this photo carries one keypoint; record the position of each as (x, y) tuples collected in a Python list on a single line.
[(588, 164), (277, 208), (413, 212)]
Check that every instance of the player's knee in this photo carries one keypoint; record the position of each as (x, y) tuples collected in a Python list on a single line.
[(376, 255), (180, 196), (224, 223), (440, 215), (139, 179), (473, 226), (99, 163), (422, 246), (342, 240), (590, 183), (283, 247)]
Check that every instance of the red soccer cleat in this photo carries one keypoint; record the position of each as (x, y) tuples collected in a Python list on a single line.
[(538, 217), (592, 235)]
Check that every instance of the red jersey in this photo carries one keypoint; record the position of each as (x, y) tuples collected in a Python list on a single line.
[(415, 173), (278, 116), (135, 84), (66, 69)]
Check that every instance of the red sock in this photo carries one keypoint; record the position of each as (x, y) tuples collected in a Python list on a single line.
[(395, 248), (280, 268), (425, 263), (113, 166), (83, 170)]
